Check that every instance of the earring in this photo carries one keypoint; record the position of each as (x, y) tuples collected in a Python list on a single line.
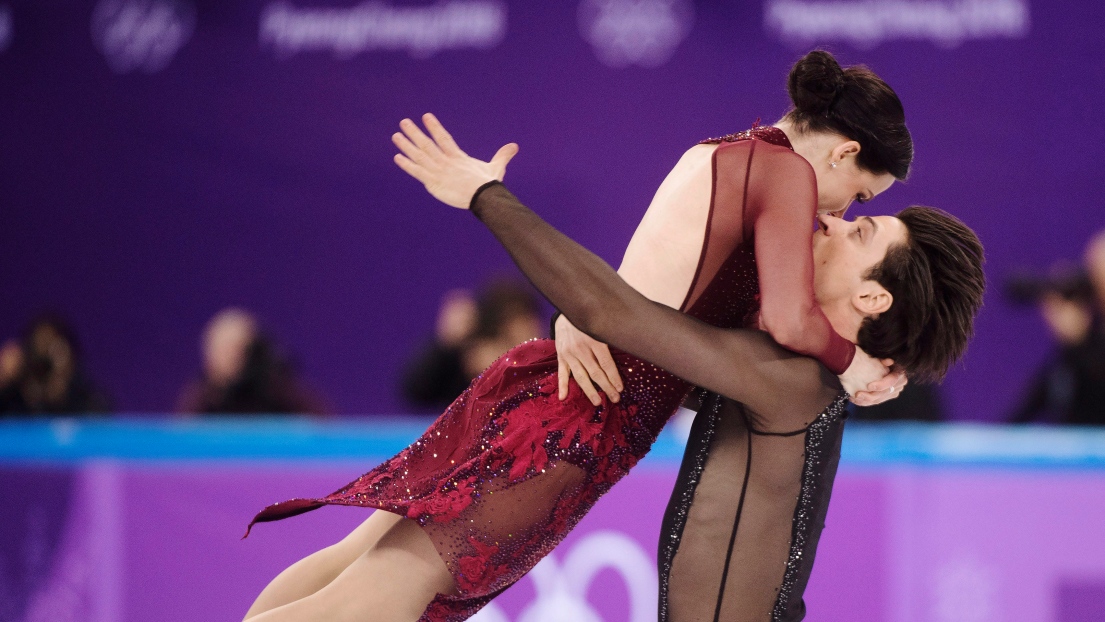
[(832, 164)]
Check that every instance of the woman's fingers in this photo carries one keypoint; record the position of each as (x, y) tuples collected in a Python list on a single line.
[(601, 352), (864, 398), (599, 377), (563, 375), (584, 381), (890, 381)]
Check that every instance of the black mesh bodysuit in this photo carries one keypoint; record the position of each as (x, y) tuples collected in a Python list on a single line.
[(740, 534)]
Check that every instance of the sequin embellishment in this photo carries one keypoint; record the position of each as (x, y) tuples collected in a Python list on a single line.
[(818, 434)]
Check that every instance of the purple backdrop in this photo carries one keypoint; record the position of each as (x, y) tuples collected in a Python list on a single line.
[(162, 159)]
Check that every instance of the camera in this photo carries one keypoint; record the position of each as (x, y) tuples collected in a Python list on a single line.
[(1064, 280)]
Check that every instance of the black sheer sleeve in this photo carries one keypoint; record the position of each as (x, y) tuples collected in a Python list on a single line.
[(744, 365)]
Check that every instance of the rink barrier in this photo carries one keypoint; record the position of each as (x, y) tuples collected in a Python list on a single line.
[(66, 440)]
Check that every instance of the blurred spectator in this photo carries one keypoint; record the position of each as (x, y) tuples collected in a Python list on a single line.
[(11, 363), (469, 336), (508, 313), (436, 376), (1070, 387), (918, 402), (43, 373), (243, 372)]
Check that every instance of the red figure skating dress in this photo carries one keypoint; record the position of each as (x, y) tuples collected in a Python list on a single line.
[(509, 469)]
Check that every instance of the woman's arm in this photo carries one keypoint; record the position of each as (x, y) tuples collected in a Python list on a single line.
[(744, 365), (660, 262), (780, 207)]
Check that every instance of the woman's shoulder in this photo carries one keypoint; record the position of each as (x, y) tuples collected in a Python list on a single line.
[(765, 157)]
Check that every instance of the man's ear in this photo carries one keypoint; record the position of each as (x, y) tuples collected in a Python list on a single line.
[(849, 148), (872, 299)]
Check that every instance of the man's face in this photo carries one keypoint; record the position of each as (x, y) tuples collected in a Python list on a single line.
[(844, 251)]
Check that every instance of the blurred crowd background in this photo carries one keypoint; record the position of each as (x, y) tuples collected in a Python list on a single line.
[(243, 369), (199, 217), (200, 213)]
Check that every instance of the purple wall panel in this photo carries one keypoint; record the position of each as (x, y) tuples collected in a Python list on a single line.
[(175, 542), (139, 203), (183, 527), (161, 541), (1081, 601), (851, 576)]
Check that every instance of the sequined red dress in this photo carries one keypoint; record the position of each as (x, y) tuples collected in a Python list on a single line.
[(508, 470)]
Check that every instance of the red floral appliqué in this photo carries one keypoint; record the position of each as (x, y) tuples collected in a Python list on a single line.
[(476, 571), (438, 611), (446, 505), (525, 442)]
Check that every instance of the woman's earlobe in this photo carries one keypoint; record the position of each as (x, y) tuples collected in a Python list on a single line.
[(846, 149)]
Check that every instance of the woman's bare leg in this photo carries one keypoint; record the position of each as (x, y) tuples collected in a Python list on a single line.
[(393, 581), (314, 572)]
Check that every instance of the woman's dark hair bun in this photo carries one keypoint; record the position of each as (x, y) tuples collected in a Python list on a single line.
[(815, 82), (854, 103)]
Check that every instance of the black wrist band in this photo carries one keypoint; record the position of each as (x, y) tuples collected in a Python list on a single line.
[(479, 191), (552, 324)]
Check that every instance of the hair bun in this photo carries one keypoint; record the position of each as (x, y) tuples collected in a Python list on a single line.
[(815, 82)]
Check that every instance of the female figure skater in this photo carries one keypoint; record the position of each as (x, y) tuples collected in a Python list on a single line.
[(498, 480), (907, 287)]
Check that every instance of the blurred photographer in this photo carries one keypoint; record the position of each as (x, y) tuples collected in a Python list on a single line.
[(244, 372), (1070, 387), (471, 332), (43, 373)]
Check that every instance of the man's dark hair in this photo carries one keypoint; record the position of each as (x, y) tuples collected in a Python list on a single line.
[(855, 103), (936, 280)]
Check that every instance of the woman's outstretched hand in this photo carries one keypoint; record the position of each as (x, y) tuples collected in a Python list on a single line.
[(450, 175)]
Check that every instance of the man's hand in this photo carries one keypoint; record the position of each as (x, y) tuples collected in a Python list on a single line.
[(588, 360), (450, 175)]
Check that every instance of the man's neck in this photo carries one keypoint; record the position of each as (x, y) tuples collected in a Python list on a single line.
[(844, 319)]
